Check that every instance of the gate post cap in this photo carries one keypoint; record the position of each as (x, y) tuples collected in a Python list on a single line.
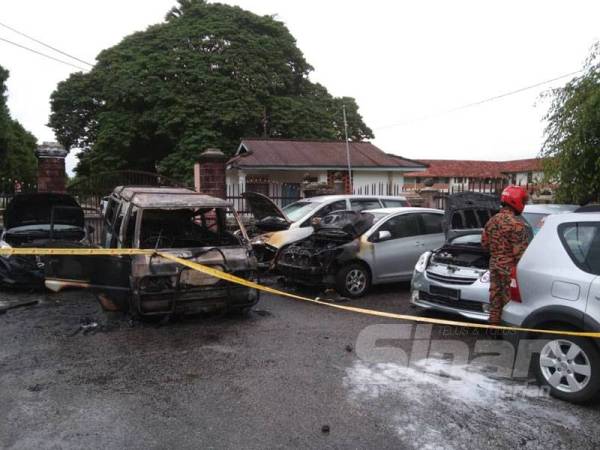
[(212, 155), (51, 150)]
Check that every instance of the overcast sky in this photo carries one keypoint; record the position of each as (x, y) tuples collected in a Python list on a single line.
[(402, 61)]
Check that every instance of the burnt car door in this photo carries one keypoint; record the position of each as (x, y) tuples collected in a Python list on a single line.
[(396, 247), (106, 274)]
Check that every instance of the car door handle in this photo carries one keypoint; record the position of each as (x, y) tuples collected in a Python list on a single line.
[(597, 297)]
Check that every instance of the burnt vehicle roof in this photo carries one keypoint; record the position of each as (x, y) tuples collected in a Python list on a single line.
[(36, 209), (167, 197), (350, 222)]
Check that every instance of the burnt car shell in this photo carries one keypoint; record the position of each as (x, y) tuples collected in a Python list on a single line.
[(182, 223), (38, 220), (315, 260)]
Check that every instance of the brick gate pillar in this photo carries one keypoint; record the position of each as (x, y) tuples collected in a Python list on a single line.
[(51, 176), (211, 173)]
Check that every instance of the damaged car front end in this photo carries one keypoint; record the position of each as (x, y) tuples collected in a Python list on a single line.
[(316, 260), (176, 221), (38, 220)]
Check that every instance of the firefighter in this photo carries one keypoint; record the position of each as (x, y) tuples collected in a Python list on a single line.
[(505, 237)]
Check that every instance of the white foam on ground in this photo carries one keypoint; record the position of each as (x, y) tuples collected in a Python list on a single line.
[(430, 402)]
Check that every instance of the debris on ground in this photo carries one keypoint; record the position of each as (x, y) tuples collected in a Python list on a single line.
[(349, 348), (325, 429), (6, 306), (86, 326)]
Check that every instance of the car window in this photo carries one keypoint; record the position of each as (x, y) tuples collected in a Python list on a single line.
[(116, 229), (335, 206), (582, 242), (359, 205), (130, 230), (405, 225), (394, 203), (536, 220), (297, 210), (432, 223), (110, 211)]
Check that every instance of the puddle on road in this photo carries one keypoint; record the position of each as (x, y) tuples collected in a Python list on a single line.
[(434, 404)]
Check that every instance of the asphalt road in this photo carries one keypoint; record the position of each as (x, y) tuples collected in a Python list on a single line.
[(272, 379)]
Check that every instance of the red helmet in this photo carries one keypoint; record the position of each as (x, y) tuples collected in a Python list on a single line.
[(515, 197)]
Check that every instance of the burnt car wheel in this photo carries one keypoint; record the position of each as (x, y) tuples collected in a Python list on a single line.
[(353, 280), (570, 367)]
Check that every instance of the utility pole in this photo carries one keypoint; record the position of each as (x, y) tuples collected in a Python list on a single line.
[(347, 148)]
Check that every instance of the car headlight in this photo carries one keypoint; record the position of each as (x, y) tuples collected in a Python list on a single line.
[(422, 262), (3, 244), (485, 278)]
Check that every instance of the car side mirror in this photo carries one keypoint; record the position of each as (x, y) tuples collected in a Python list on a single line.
[(383, 235)]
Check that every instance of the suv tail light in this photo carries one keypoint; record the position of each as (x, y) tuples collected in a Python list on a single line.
[(515, 292)]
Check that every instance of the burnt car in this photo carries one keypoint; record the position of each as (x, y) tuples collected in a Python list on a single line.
[(180, 222), (38, 220), (276, 227), (352, 250)]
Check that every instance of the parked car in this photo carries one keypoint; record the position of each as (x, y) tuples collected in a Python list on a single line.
[(455, 277), (557, 286), (536, 214), (176, 220), (278, 227), (352, 250), (38, 220)]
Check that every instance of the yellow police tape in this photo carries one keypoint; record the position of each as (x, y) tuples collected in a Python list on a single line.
[(253, 285)]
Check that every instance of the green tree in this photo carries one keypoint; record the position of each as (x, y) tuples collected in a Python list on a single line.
[(17, 145), (206, 77), (572, 147)]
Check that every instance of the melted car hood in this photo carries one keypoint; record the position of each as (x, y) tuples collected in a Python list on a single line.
[(263, 208), (348, 223), (468, 212), (42, 209)]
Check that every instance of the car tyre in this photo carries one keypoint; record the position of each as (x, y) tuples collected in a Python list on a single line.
[(353, 280), (570, 367)]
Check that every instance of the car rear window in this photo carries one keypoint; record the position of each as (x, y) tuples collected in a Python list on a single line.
[(582, 242), (394, 203)]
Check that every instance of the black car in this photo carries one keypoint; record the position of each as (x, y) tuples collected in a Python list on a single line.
[(38, 220)]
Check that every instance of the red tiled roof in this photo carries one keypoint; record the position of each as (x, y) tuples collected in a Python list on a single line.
[(475, 169), (522, 165), (306, 153)]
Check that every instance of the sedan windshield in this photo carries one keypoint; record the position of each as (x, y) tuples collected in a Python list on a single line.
[(297, 210)]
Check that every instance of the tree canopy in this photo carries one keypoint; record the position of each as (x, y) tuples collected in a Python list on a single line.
[(572, 147), (206, 77), (17, 145)]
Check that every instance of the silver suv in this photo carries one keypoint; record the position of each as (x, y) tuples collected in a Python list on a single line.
[(557, 286)]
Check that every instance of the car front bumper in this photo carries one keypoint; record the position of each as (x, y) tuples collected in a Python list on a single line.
[(473, 301)]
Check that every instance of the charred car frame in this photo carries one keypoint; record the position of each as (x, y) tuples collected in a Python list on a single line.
[(181, 222)]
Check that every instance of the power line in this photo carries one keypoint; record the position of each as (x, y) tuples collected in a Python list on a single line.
[(42, 54), (477, 103), (45, 45)]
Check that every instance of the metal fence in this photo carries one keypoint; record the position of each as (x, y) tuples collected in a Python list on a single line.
[(282, 194), (381, 188)]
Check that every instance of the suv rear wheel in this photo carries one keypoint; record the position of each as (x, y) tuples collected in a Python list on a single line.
[(353, 280), (570, 367)]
